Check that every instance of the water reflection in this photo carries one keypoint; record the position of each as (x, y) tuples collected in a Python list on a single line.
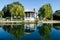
[(32, 31), (29, 28), (56, 26), (15, 30), (18, 31), (44, 31)]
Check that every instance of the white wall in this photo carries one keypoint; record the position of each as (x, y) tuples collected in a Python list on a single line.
[(29, 18)]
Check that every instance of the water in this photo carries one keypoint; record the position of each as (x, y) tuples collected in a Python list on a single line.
[(30, 32)]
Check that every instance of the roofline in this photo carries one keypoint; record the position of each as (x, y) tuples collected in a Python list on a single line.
[(29, 11)]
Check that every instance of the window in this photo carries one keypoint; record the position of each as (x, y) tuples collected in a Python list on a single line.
[(32, 14)]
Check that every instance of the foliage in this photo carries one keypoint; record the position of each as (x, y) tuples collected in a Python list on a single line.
[(1, 13), (45, 11), (14, 9), (6, 11), (57, 13)]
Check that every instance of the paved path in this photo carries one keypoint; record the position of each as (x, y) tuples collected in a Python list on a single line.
[(51, 21)]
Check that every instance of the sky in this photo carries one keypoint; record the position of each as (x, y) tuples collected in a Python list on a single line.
[(31, 4)]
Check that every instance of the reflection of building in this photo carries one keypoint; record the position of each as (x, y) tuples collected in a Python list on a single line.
[(29, 28), (30, 15)]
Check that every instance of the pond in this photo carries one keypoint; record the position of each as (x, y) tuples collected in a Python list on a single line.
[(30, 32)]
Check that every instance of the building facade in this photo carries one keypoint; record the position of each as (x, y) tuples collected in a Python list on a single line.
[(30, 15)]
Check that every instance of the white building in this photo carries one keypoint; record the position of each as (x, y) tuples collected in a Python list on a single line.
[(30, 15)]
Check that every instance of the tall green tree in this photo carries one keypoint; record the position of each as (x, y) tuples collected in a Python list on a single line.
[(6, 11), (56, 15), (45, 11), (14, 9)]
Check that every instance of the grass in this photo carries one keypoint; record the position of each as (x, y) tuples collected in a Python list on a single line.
[(18, 21)]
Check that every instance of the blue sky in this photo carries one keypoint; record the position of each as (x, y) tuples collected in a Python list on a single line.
[(31, 4)]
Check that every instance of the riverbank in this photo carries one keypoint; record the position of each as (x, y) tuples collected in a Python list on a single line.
[(28, 22), (49, 21)]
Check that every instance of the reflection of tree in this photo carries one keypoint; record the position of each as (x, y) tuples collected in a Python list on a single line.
[(15, 30), (45, 31), (56, 26)]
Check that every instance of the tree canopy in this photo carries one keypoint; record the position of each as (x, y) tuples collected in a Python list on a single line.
[(56, 15), (45, 11), (14, 9)]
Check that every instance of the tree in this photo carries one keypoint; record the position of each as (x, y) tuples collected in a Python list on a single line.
[(45, 11), (56, 15), (6, 11), (14, 9)]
